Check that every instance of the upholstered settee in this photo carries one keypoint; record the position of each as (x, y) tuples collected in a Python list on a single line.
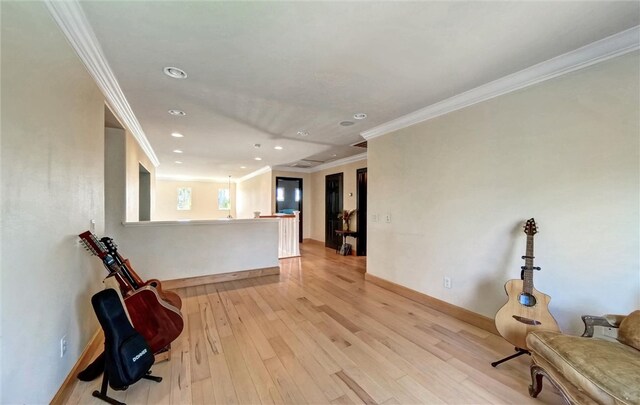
[(588, 370)]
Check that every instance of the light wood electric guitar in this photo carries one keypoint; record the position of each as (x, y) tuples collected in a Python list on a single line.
[(527, 308)]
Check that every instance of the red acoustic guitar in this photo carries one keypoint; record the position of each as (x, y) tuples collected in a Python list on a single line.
[(135, 280), (159, 322)]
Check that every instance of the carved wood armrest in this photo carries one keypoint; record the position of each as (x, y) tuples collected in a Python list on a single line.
[(608, 321)]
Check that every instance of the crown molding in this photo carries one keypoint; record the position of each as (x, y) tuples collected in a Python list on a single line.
[(596, 52), (258, 172), (74, 24), (292, 169), (193, 179), (328, 165), (339, 162)]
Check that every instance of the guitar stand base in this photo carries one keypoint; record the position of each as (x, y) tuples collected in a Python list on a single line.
[(102, 394), (519, 352)]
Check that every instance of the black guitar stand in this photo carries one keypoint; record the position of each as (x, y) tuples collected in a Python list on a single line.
[(102, 394), (519, 352)]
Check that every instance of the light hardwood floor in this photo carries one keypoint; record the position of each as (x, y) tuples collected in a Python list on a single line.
[(318, 333)]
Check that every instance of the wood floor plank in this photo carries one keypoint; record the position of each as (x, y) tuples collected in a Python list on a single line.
[(240, 376), (287, 387), (355, 387), (319, 333)]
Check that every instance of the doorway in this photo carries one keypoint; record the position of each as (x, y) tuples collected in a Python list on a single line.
[(144, 194), (361, 214), (289, 198), (333, 207)]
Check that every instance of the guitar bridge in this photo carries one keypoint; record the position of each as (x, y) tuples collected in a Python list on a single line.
[(526, 321)]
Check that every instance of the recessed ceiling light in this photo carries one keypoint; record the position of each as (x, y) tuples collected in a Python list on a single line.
[(177, 112), (278, 147), (177, 151), (243, 167), (178, 162), (177, 135), (360, 116), (303, 133), (334, 155), (346, 123), (175, 72), (257, 158)]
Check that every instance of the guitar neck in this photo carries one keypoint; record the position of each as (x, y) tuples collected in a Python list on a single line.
[(528, 266)]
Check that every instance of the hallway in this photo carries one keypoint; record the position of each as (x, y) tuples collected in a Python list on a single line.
[(318, 333)]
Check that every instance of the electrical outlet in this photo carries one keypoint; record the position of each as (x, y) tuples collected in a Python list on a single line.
[(447, 282), (63, 346), (388, 218)]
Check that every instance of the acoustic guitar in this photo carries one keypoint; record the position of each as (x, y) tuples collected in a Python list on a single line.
[(527, 309), (159, 322), (135, 280)]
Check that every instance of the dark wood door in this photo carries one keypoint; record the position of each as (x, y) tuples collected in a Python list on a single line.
[(289, 197), (361, 214), (333, 207)]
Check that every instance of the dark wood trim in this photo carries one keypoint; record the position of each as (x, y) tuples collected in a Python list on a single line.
[(361, 214), (329, 235)]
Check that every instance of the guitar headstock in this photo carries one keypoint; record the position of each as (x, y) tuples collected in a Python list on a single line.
[(92, 244), (530, 227), (112, 248)]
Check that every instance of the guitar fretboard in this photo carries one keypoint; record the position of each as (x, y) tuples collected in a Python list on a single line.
[(528, 267)]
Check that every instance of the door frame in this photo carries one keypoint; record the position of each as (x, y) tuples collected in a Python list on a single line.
[(328, 236), (361, 214), (300, 182)]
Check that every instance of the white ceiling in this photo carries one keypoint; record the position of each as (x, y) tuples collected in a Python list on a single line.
[(261, 71)]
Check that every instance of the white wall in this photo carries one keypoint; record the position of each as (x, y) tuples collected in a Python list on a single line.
[(52, 186), (204, 200), (255, 194), (135, 157), (170, 250), (459, 187)]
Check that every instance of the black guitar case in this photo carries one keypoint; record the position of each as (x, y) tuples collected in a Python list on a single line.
[(128, 357)]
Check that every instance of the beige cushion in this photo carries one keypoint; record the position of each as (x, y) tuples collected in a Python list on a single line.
[(629, 332), (604, 370)]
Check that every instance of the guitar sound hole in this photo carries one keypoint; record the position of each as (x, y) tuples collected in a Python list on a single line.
[(526, 299)]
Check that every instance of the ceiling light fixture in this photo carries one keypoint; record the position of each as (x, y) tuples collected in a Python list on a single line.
[(256, 145), (175, 72), (177, 151), (360, 116), (243, 167), (257, 158), (177, 112), (278, 147), (178, 162), (177, 135), (347, 123), (303, 133)]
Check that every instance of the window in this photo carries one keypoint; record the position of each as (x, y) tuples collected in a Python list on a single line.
[(184, 198), (224, 201), (280, 194)]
